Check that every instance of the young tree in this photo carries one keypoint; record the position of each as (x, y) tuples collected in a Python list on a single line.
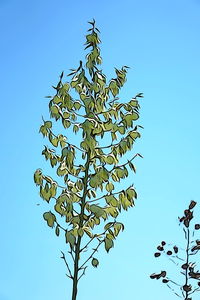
[(90, 199), (183, 259)]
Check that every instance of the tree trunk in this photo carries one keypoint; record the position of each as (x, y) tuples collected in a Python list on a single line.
[(78, 244)]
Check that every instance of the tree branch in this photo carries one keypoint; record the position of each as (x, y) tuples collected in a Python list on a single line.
[(95, 250), (63, 257), (111, 194)]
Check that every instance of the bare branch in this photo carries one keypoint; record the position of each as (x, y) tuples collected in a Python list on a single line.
[(60, 226), (63, 257), (94, 250), (111, 194), (84, 269)]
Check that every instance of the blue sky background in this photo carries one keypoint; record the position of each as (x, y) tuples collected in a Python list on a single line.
[(159, 40)]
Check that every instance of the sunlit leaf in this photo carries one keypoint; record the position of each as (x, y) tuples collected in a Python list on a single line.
[(50, 218)]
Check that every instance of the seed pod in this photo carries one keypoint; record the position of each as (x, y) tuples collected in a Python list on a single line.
[(187, 288), (163, 243), (175, 249), (192, 204), (197, 226), (153, 276), (169, 252), (160, 248), (163, 273), (157, 254), (184, 266), (165, 280)]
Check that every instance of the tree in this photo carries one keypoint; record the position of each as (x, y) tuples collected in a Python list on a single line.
[(188, 269), (88, 202)]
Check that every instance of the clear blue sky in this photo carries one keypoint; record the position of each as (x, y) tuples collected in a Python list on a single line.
[(159, 40)]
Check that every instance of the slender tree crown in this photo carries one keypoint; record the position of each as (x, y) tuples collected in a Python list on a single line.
[(86, 195)]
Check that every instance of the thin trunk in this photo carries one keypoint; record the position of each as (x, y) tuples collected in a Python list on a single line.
[(187, 262), (78, 244)]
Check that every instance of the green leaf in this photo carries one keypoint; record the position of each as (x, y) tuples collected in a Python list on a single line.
[(126, 203), (111, 200), (80, 232), (134, 134), (62, 170), (113, 87), (66, 123), (45, 192), (121, 129), (53, 161), (112, 211), (70, 238), (53, 189), (132, 167), (96, 210), (88, 231), (50, 218), (54, 110), (38, 177), (66, 115), (117, 227), (94, 182), (48, 124), (95, 262), (57, 230), (108, 244), (57, 100), (43, 130), (134, 103), (110, 159), (109, 187), (131, 193), (108, 225), (110, 235), (53, 140), (77, 105), (89, 143), (76, 128)]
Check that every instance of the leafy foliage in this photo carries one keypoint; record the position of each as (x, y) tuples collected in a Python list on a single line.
[(87, 199)]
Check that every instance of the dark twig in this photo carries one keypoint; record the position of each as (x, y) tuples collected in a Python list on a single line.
[(63, 257)]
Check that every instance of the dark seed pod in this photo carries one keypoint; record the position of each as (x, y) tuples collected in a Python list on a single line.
[(187, 288), (160, 248), (184, 266), (165, 280), (169, 252), (175, 249), (163, 273), (192, 204), (153, 276), (157, 254), (163, 243), (197, 226)]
